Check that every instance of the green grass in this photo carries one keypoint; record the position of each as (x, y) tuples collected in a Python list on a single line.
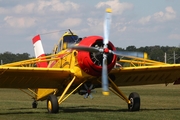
[(157, 102)]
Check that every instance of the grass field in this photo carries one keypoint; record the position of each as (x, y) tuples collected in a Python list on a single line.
[(158, 102)]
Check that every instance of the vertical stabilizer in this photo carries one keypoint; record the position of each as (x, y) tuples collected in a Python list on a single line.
[(39, 51)]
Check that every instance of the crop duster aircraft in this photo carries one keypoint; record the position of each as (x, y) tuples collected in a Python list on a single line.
[(80, 66)]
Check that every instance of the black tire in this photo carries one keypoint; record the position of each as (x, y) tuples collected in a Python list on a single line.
[(52, 104), (34, 104), (135, 102)]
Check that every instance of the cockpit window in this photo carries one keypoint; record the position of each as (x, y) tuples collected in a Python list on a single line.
[(70, 38)]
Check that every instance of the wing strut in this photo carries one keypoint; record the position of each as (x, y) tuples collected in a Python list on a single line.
[(117, 91), (71, 92), (66, 89)]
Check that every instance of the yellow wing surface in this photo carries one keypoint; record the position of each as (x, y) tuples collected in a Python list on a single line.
[(22, 75), (144, 75), (32, 77)]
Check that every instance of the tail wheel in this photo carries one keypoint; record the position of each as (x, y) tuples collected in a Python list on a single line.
[(52, 104), (34, 104), (135, 102)]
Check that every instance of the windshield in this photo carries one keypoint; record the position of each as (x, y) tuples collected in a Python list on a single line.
[(70, 38)]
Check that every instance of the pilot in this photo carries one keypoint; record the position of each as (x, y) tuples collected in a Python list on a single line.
[(118, 65)]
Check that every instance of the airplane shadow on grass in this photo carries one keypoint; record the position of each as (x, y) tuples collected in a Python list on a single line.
[(21, 111), (75, 110), (87, 109)]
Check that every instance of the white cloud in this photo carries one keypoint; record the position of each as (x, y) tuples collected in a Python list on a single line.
[(145, 20), (70, 22), (92, 22), (168, 14), (95, 25), (3, 10), (41, 7), (20, 22), (174, 36), (56, 6), (26, 15), (123, 29), (19, 9), (117, 7), (27, 18)]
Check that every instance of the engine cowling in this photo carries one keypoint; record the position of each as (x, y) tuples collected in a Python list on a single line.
[(91, 63)]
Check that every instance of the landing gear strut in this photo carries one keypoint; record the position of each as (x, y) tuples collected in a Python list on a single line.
[(135, 102), (52, 104)]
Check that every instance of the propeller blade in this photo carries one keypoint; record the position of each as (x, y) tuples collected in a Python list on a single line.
[(83, 91), (93, 91), (129, 53), (107, 23), (85, 86), (91, 87), (85, 48), (91, 96), (86, 95), (105, 86)]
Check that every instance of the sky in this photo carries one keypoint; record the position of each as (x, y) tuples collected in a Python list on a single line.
[(134, 22)]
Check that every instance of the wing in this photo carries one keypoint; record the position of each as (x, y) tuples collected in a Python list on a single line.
[(29, 77), (146, 75)]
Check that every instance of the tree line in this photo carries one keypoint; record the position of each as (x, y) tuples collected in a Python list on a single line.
[(158, 53), (154, 53), (8, 57)]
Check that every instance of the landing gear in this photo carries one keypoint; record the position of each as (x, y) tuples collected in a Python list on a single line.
[(135, 102), (34, 104), (52, 104)]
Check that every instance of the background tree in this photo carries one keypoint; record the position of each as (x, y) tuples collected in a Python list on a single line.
[(8, 57), (154, 52)]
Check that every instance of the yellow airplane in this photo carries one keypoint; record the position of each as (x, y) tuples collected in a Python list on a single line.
[(79, 65)]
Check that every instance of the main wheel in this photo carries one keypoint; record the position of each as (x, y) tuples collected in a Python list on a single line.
[(52, 104), (135, 102)]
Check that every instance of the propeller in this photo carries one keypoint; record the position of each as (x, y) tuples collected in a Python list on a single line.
[(105, 51), (87, 91), (129, 54), (107, 22), (85, 48)]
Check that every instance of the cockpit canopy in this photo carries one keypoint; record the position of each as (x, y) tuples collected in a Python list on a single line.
[(65, 41), (70, 38)]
